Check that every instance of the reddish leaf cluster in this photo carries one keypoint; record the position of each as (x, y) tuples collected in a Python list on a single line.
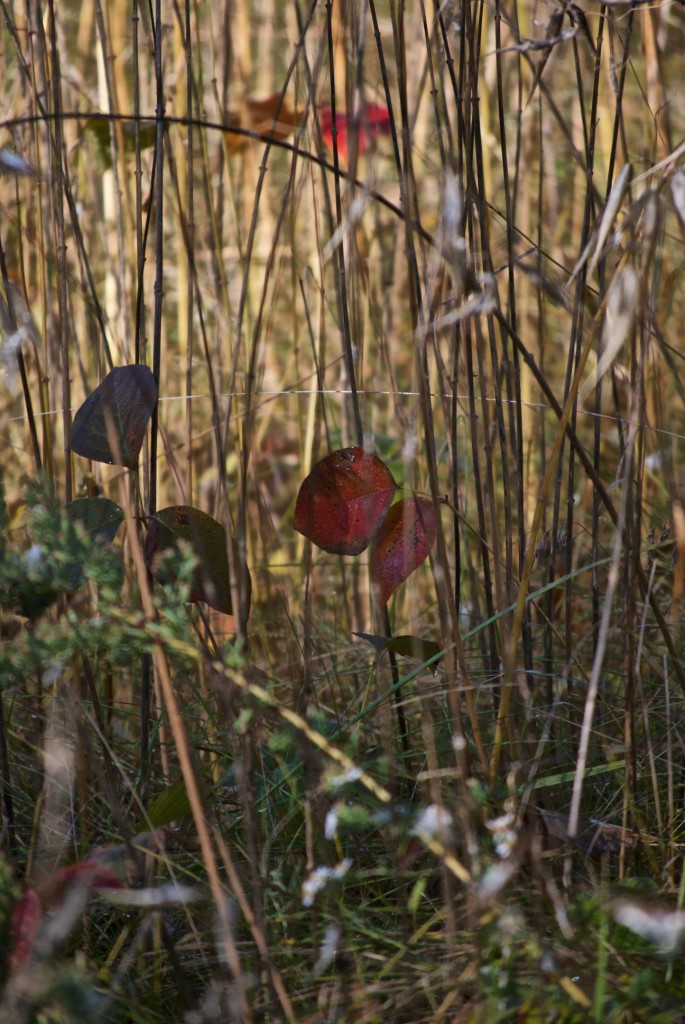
[(344, 505), (374, 120), (26, 918), (108, 869)]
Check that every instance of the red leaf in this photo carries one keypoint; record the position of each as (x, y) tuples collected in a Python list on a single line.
[(374, 120), (342, 502), (88, 873), (401, 544), (26, 918)]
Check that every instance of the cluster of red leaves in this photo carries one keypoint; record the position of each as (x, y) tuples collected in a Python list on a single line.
[(344, 505), (374, 120), (274, 116)]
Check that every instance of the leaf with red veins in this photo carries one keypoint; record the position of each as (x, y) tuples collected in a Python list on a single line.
[(342, 502), (401, 544)]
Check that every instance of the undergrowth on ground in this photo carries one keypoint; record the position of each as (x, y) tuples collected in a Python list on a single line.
[(342, 536)]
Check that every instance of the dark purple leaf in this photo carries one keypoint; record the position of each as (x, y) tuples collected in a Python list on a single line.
[(110, 425)]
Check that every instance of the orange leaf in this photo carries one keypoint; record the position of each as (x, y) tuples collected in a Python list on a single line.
[(264, 117)]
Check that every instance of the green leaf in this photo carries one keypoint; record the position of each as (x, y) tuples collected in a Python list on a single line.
[(406, 646), (31, 597), (100, 517), (415, 647), (211, 580), (172, 804), (99, 129)]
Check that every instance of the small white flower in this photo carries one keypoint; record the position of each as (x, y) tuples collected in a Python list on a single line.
[(319, 877), (352, 774), (328, 949), (12, 342), (331, 823), (165, 895), (664, 928), (410, 446), (34, 556), (503, 833), (312, 885), (53, 673), (495, 879), (433, 822), (12, 163)]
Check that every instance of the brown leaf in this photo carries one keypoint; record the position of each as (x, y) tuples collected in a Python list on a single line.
[(263, 117), (110, 425), (594, 837)]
